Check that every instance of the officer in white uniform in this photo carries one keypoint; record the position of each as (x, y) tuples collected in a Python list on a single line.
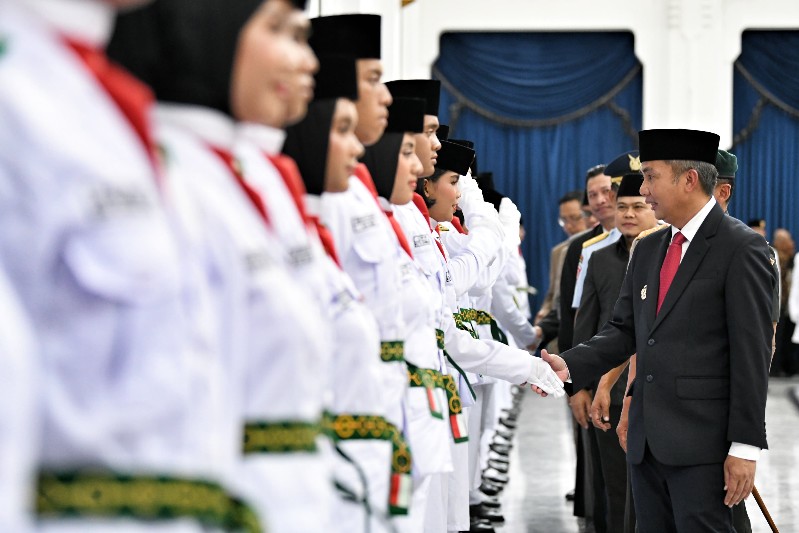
[(96, 250)]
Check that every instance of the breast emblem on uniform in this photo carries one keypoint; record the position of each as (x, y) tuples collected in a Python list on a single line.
[(643, 293)]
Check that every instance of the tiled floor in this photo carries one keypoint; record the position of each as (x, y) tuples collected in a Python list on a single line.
[(542, 467)]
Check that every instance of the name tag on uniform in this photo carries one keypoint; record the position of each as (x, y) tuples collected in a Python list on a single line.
[(361, 224), (300, 256), (256, 261), (421, 240), (109, 201)]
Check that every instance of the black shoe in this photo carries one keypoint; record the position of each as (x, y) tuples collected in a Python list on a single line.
[(507, 435), (480, 511), (502, 441), (496, 478), (481, 526), (501, 449), (502, 468), (489, 489), (494, 456), (570, 496), (491, 503), (508, 423), (511, 414)]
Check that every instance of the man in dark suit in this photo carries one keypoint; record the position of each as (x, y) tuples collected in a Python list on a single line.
[(604, 276), (600, 195), (695, 306)]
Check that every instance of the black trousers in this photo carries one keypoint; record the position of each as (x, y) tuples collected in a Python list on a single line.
[(685, 499), (614, 471)]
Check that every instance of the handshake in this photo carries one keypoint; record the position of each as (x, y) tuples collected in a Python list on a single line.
[(548, 375)]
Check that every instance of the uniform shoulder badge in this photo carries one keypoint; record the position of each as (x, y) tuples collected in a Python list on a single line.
[(599, 238), (650, 231)]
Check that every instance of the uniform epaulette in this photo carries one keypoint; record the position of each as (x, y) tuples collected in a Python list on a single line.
[(650, 231), (594, 240)]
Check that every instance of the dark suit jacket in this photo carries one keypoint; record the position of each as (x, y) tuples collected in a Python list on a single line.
[(603, 279), (702, 372), (568, 280)]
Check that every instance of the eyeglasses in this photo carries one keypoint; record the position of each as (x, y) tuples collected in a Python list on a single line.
[(572, 219)]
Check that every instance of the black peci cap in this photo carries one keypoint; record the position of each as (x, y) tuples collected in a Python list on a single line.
[(677, 144), (353, 35), (336, 78), (463, 142), (443, 132), (454, 157), (630, 185), (406, 115), (429, 90)]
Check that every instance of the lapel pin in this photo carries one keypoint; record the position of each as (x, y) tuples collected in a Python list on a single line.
[(643, 293)]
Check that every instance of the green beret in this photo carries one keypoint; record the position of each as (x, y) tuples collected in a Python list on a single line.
[(726, 164)]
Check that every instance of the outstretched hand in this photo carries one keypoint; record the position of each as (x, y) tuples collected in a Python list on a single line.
[(558, 365)]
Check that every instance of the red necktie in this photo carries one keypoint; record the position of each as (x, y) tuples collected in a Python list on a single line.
[(252, 194), (291, 177), (670, 265), (363, 175), (457, 223), (400, 235), (131, 96)]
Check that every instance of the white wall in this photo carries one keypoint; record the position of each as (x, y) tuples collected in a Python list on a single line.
[(687, 47)]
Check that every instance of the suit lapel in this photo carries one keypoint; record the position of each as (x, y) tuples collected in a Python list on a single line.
[(653, 280), (693, 258)]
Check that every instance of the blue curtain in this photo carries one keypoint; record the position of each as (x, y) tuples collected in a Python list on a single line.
[(541, 108), (766, 125)]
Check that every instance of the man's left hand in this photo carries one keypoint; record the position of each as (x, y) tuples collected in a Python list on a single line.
[(739, 478)]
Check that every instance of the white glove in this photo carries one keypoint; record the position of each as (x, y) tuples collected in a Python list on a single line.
[(467, 182), (545, 378), (510, 217), (471, 199)]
